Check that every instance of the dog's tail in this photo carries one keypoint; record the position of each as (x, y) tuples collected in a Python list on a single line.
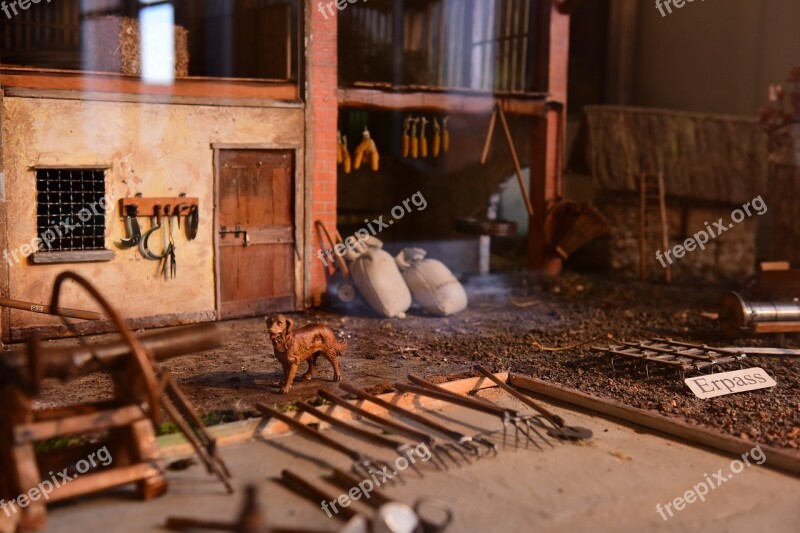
[(339, 347)]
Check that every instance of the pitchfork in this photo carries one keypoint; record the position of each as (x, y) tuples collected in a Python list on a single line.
[(400, 447), (401, 429), (465, 442), (363, 465)]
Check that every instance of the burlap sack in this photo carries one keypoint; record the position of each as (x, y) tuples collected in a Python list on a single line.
[(378, 280), (432, 284)]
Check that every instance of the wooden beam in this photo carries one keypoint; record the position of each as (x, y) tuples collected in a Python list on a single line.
[(775, 457), (87, 82), (441, 102), (106, 479), (138, 98), (76, 424)]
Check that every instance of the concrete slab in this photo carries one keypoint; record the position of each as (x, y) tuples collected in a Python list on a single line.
[(612, 483)]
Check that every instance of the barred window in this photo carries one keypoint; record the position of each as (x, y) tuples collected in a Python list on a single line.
[(70, 215)]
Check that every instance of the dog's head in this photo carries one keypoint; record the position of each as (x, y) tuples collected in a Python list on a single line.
[(279, 326)]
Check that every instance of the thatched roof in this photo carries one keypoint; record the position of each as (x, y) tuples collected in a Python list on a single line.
[(708, 158)]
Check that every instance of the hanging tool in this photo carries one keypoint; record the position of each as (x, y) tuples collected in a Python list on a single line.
[(498, 111), (362, 464), (559, 430), (470, 444), (378, 499), (395, 427), (379, 440), (406, 136), (445, 135), (339, 155), (132, 232), (437, 138), (192, 222), (144, 244), (423, 140), (414, 138)]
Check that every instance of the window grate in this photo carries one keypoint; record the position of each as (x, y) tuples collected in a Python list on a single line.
[(69, 213)]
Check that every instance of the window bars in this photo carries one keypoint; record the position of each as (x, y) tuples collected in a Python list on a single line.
[(64, 197)]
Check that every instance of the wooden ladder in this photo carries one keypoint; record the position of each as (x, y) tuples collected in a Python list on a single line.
[(651, 194)]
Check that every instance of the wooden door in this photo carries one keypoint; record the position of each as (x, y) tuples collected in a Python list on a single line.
[(256, 268)]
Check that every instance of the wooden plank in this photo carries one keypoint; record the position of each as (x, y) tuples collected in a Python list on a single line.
[(775, 327), (209, 100), (85, 81), (440, 102), (173, 446), (75, 256), (47, 310), (106, 326), (776, 458), (146, 206), (73, 425), (106, 479)]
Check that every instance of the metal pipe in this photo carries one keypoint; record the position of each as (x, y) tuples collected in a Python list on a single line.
[(736, 315)]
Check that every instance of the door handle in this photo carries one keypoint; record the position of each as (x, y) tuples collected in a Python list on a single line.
[(236, 231)]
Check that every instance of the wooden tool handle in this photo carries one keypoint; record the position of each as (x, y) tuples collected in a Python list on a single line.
[(555, 419), (313, 433), (411, 415), (469, 403), (47, 310)]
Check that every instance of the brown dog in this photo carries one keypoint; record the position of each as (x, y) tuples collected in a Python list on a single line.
[(306, 344)]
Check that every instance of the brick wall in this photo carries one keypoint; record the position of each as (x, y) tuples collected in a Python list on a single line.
[(546, 182), (321, 125)]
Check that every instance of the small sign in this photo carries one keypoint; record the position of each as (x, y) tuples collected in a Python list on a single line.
[(725, 383)]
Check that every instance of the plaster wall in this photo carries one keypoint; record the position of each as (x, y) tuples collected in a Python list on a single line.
[(154, 149)]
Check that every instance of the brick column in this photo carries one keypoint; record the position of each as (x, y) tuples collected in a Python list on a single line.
[(546, 176), (321, 124)]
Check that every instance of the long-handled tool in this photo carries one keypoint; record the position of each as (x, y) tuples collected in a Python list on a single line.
[(559, 429), (470, 403), (498, 111), (396, 427), (48, 310), (471, 444), (378, 499), (362, 464), (522, 423), (400, 447)]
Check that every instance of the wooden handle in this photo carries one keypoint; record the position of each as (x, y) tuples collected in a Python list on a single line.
[(515, 159), (47, 310)]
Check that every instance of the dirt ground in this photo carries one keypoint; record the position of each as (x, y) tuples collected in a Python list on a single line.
[(509, 321)]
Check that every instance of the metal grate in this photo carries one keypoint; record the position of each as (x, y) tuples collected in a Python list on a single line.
[(69, 214), (681, 356)]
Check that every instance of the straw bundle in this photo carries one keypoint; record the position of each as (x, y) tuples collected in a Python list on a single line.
[(113, 44), (711, 158)]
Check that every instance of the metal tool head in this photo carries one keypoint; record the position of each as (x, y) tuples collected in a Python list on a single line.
[(367, 468), (570, 433)]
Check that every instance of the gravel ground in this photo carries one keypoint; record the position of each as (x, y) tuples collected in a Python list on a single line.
[(513, 322)]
